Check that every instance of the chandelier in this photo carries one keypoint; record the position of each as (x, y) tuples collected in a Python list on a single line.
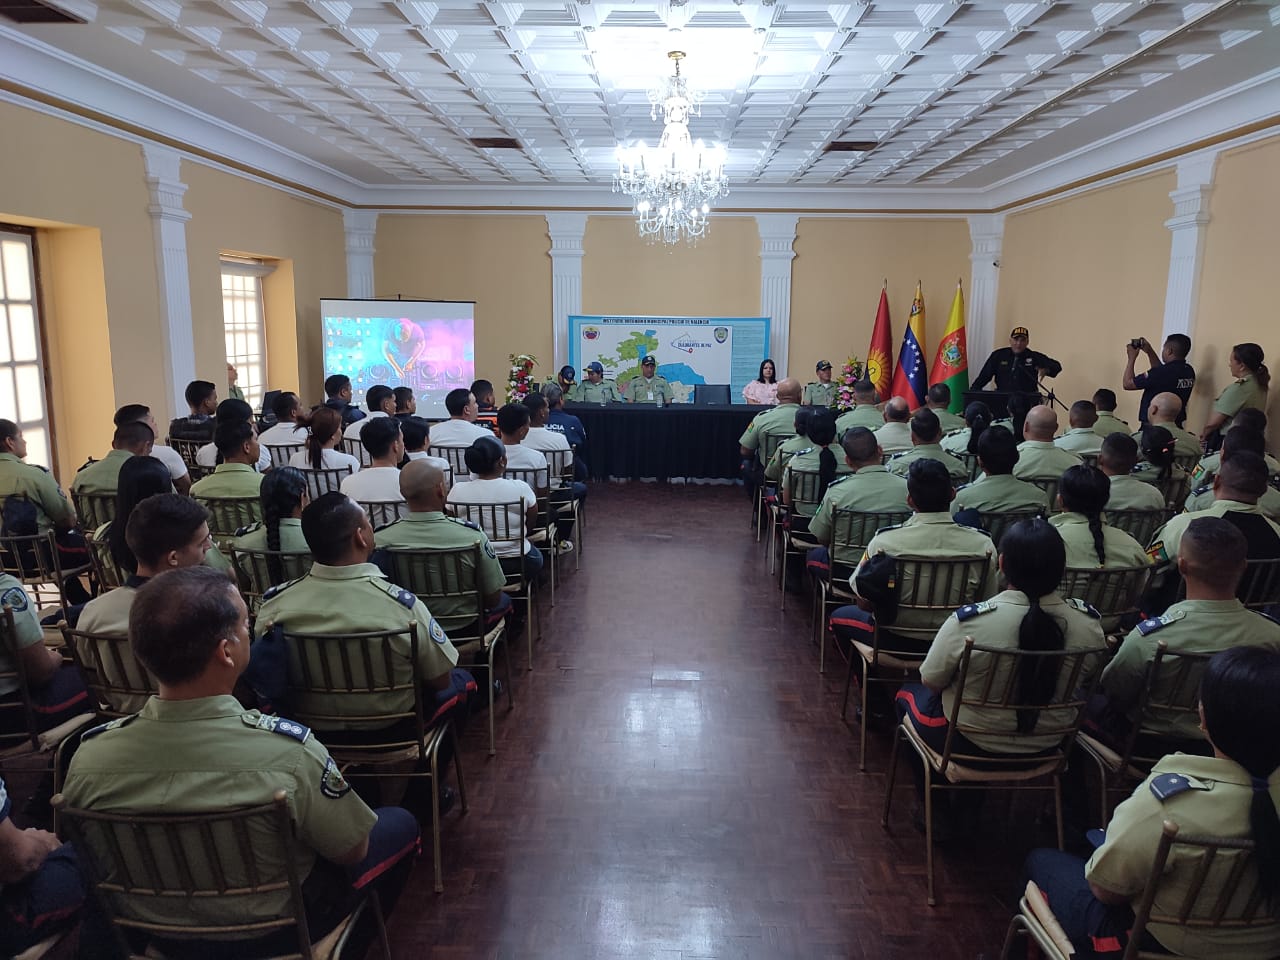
[(673, 184)]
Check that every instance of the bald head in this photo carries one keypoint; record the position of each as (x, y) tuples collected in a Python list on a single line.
[(897, 410), (1164, 408), (1041, 424), (789, 390), (422, 486)]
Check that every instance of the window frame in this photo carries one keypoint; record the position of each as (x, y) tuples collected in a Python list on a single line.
[(257, 270), (42, 338)]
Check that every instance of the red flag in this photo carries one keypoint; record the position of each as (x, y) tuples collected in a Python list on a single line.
[(879, 357)]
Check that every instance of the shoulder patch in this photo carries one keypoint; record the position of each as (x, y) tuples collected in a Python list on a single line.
[(1152, 624), (272, 724), (16, 598), (279, 588), (332, 783), (1084, 607), (1157, 552), (1169, 785), (488, 550), (400, 594), (437, 632), (110, 725), (971, 610)]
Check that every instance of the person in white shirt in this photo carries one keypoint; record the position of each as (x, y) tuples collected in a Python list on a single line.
[(381, 401), (232, 410), (486, 461), (379, 482), (545, 440), (513, 424), (284, 432), (325, 424), (460, 430), (177, 467), (415, 432)]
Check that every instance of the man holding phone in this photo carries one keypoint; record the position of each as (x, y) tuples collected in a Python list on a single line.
[(1169, 372)]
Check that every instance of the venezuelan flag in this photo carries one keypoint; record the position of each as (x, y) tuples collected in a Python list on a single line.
[(909, 378), (951, 363)]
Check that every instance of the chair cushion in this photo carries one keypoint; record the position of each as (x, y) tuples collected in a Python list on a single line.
[(50, 739), (867, 652), (1029, 769)]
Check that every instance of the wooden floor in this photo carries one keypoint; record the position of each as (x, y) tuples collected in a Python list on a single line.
[(676, 783)]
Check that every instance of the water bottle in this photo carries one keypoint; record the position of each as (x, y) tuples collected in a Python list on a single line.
[(659, 399)]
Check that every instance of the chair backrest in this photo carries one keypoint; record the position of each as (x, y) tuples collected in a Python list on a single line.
[(711, 394), (1114, 591), (444, 580), (538, 479), (1088, 459), (34, 560), (1186, 462), (19, 718), (259, 570), (1217, 888), (931, 588), (281, 452), (770, 442), (325, 480), (229, 514), (191, 875), (1170, 692), (970, 460), (383, 512), (1174, 488), (503, 523), (1260, 585), (353, 446), (852, 530), (1050, 487), (802, 487), (995, 691), (996, 523), (118, 682), (94, 509), (104, 565), (561, 464), (1139, 524), (187, 450), (457, 460)]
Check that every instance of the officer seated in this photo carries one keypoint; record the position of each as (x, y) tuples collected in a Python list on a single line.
[(232, 410), (236, 476), (194, 749), (103, 476), (1230, 795), (55, 688), (997, 490)]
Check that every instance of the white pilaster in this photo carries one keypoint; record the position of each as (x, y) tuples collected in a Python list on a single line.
[(777, 237), (169, 223), (1188, 225), (360, 227), (986, 235), (566, 231)]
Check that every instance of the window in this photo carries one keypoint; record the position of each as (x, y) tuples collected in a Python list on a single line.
[(22, 394), (243, 324)]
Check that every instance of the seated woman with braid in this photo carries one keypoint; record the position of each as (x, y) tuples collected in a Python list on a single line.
[(284, 494), (1091, 542)]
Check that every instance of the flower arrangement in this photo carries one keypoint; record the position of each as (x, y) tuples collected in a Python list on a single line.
[(520, 382), (850, 374)]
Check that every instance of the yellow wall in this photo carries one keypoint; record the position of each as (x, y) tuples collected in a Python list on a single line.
[(1085, 275), (500, 262), (837, 274), (1237, 287)]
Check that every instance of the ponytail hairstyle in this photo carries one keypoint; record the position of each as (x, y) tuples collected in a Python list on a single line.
[(324, 423), (1237, 695), (803, 416), (1033, 559), (978, 416), (1250, 356), (483, 456), (282, 493), (1158, 449), (1020, 405), (822, 431), (140, 477), (1085, 490)]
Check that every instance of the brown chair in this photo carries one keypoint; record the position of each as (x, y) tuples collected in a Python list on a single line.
[(229, 514), (1077, 672), (457, 460), (94, 509), (355, 448), (1139, 524), (543, 533), (187, 450), (443, 578), (193, 869), (1050, 487), (325, 480), (769, 443), (996, 523), (562, 476), (1113, 591), (383, 512), (105, 569), (1260, 586), (118, 683), (257, 571), (346, 670), (786, 522), (928, 586), (34, 560), (281, 452)]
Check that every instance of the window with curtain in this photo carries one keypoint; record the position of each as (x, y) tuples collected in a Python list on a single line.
[(244, 324), (22, 390)]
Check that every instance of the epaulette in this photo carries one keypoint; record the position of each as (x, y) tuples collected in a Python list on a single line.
[(898, 456), (109, 725), (1168, 785), (1084, 607), (399, 594), (971, 610), (241, 531), (956, 431), (964, 486), (272, 724), (892, 526), (839, 479), (805, 450), (279, 588), (466, 523), (1202, 490)]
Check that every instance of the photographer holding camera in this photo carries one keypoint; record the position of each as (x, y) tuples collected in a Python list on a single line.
[(1169, 372)]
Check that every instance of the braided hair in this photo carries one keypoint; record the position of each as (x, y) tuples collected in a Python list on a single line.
[(822, 431), (1033, 559), (1158, 449), (1085, 490), (283, 492)]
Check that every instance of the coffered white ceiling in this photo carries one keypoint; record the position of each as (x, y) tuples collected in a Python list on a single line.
[(956, 93)]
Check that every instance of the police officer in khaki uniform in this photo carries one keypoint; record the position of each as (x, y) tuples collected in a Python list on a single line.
[(776, 421), (822, 437), (938, 399), (997, 490), (865, 413), (1117, 459), (1080, 438), (18, 478), (284, 495), (1241, 437), (56, 688), (1240, 481), (102, 476), (195, 749), (926, 434), (649, 387), (789, 447), (1163, 412), (822, 393), (1038, 458), (894, 435), (870, 488), (1247, 391), (1092, 543), (595, 388), (1104, 403), (235, 477)]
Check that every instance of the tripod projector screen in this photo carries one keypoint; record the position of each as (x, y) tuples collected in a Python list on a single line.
[(427, 345)]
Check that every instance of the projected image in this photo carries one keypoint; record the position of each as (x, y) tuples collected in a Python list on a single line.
[(426, 346)]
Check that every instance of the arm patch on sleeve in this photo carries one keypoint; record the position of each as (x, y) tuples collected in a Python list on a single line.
[(332, 783), (15, 598)]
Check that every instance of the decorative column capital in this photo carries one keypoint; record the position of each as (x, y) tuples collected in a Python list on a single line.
[(164, 181), (1188, 226), (163, 171), (360, 227), (777, 237), (566, 230), (986, 242), (777, 250)]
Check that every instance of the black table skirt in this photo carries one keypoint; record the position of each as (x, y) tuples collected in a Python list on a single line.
[(681, 440)]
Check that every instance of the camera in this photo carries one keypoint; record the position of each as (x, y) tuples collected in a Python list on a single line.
[(1138, 343)]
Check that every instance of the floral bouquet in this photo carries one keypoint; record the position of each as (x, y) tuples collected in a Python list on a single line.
[(520, 381), (849, 374)]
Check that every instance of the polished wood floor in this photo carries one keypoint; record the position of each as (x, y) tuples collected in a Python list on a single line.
[(675, 781)]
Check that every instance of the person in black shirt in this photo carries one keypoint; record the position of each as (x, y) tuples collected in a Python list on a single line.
[(337, 391), (1169, 373), (1016, 368)]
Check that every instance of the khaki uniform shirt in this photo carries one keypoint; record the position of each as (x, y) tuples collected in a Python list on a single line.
[(1164, 545), (1246, 392), (949, 421), (36, 484), (1219, 809), (1176, 485), (995, 623), (354, 599), (933, 535), (1120, 549), (254, 537), (652, 390), (1185, 443), (808, 460), (1130, 493), (901, 463), (1200, 498), (869, 490), (1108, 423), (1079, 440), (606, 391), (210, 755), (101, 476), (1041, 460), (999, 493), (820, 394), (1207, 468), (108, 613), (26, 625), (894, 437), (779, 421), (1189, 626), (956, 442), (229, 481), (436, 531), (862, 415), (786, 450)]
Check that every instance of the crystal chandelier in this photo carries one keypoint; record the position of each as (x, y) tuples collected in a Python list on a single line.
[(673, 184)]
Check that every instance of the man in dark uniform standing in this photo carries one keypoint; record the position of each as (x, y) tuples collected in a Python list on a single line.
[(1015, 368)]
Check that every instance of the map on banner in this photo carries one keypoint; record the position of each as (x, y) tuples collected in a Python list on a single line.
[(689, 350)]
